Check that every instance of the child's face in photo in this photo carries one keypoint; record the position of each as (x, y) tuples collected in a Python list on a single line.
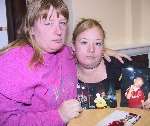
[(138, 82)]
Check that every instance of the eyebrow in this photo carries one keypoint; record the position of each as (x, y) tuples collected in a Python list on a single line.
[(63, 20), (88, 39)]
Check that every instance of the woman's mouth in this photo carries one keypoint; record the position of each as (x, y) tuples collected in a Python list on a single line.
[(57, 40)]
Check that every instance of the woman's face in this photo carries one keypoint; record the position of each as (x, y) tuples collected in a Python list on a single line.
[(89, 48), (50, 33)]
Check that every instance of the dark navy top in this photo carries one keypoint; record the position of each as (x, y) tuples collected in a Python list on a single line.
[(87, 91)]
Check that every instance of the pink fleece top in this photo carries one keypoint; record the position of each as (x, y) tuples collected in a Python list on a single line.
[(32, 96)]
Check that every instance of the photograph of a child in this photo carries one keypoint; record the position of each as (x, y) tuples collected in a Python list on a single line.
[(135, 86), (135, 94)]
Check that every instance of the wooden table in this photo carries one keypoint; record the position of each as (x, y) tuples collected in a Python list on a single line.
[(93, 116)]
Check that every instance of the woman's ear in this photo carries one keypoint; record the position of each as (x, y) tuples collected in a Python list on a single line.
[(32, 31)]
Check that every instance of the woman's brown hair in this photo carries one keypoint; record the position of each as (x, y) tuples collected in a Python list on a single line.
[(85, 24), (36, 9)]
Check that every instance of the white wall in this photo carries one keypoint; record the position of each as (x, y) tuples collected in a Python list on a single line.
[(3, 23), (71, 18), (146, 20), (126, 22)]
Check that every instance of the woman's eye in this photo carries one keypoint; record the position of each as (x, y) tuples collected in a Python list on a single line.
[(48, 23), (63, 23), (83, 42), (99, 43)]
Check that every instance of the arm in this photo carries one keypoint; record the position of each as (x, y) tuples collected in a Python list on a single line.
[(117, 55), (129, 92), (23, 101), (19, 114), (107, 53)]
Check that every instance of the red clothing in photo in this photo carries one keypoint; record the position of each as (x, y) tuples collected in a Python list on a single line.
[(136, 99)]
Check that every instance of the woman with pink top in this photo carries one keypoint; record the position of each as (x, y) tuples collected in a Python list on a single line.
[(38, 74)]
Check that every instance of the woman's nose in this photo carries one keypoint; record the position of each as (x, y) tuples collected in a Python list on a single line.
[(91, 48), (58, 30)]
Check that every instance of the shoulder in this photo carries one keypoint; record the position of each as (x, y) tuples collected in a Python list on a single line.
[(18, 50), (113, 65), (15, 73), (66, 53), (113, 68), (20, 53), (67, 50), (15, 61), (68, 61)]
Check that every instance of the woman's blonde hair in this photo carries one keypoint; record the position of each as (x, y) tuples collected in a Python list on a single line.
[(36, 9), (85, 24)]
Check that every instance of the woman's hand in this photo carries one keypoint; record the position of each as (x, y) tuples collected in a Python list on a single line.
[(116, 54), (146, 104), (69, 109)]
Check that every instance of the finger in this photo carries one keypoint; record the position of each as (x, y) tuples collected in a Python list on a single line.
[(146, 103), (120, 59), (76, 107), (147, 106), (107, 57), (71, 101), (73, 104), (125, 56), (75, 114), (80, 109)]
